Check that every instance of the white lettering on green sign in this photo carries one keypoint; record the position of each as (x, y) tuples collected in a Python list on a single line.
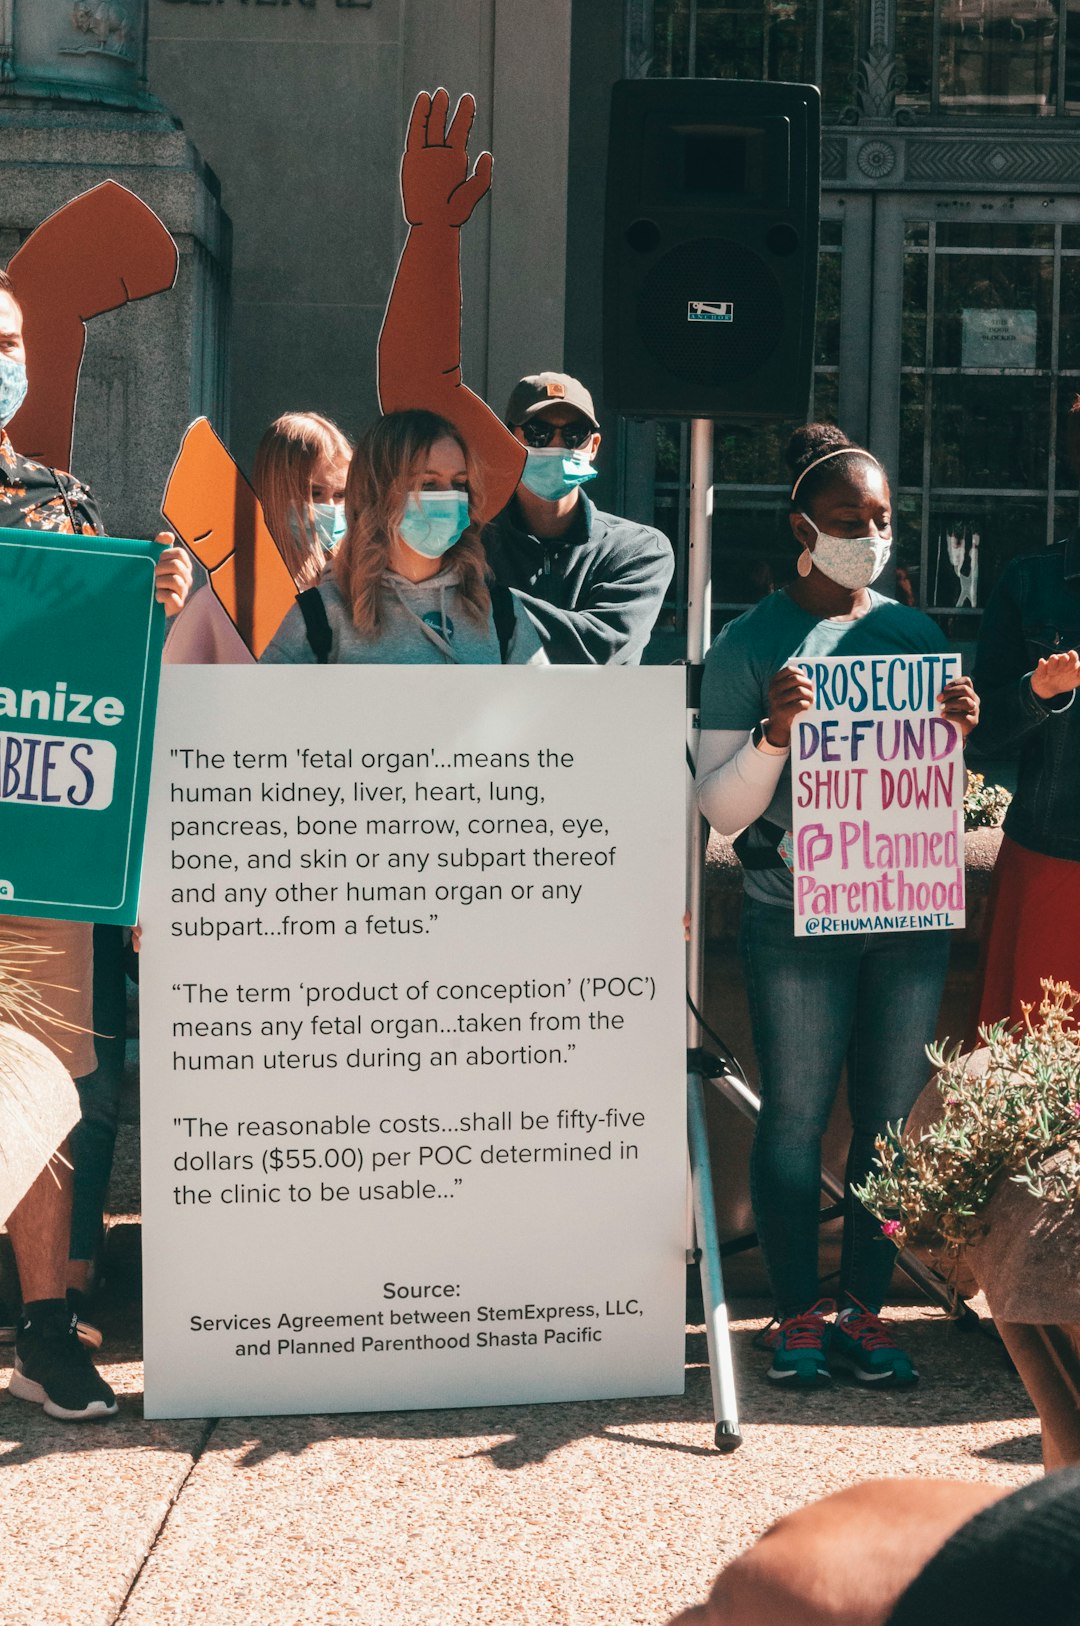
[(59, 705)]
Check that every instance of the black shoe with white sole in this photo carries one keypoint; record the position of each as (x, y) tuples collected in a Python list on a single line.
[(53, 1369), (89, 1333)]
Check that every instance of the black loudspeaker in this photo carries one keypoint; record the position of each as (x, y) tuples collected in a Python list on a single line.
[(710, 254)]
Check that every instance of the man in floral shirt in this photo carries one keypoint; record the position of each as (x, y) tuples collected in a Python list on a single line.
[(52, 1368)]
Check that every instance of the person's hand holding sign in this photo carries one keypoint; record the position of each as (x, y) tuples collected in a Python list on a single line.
[(1056, 674), (960, 704), (172, 575), (436, 187), (790, 692)]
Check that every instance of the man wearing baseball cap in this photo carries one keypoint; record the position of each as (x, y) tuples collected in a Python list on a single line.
[(591, 582)]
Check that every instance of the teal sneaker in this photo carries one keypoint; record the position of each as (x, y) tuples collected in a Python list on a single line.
[(799, 1344), (862, 1344)]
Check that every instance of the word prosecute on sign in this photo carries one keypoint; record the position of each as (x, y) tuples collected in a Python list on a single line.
[(877, 795)]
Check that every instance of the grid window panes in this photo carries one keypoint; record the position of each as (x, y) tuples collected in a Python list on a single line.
[(814, 43), (1011, 58), (988, 374)]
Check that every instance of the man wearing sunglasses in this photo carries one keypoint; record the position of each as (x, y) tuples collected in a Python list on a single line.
[(591, 582)]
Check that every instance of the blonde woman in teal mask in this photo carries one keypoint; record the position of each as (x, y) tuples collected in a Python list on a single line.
[(408, 583), (299, 478)]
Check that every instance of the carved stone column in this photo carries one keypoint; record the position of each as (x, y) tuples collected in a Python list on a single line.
[(89, 50), (877, 83), (73, 110)]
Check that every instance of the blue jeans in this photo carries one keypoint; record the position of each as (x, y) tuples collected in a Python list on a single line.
[(869, 999), (93, 1140)]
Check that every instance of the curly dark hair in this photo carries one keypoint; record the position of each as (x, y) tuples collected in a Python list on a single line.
[(815, 440)]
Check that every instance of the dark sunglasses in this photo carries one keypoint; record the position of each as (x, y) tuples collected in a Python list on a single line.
[(539, 433)]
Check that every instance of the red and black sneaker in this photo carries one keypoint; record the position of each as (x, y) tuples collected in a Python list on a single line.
[(863, 1345), (800, 1344)]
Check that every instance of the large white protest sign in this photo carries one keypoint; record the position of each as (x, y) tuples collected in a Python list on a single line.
[(413, 1048), (878, 798)]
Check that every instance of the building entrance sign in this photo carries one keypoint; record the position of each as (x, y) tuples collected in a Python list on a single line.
[(81, 640), (413, 1038), (878, 798)]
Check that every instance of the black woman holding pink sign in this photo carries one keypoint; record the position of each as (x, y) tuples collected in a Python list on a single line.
[(870, 999)]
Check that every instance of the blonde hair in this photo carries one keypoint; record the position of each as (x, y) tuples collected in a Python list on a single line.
[(387, 465), (284, 463)]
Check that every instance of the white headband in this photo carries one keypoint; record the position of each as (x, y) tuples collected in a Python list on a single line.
[(841, 451)]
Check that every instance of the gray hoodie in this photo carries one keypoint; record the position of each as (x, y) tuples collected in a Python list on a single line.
[(423, 624)]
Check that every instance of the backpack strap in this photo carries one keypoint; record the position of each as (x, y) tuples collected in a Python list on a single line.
[(316, 623), (505, 618)]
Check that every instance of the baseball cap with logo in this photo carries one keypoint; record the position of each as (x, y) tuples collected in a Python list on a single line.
[(531, 395)]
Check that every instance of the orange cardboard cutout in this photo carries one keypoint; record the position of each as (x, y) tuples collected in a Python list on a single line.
[(420, 342), (99, 251), (209, 503), (214, 511)]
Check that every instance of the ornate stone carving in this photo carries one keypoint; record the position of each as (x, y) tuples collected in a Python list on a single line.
[(82, 50), (833, 158), (7, 40), (876, 159), (103, 27), (960, 163), (876, 86)]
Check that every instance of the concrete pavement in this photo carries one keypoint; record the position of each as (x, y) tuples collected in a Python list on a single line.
[(559, 1515)]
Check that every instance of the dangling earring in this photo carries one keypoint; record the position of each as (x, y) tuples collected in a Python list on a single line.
[(805, 562)]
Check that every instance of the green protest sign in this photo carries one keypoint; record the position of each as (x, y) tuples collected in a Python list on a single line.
[(80, 655)]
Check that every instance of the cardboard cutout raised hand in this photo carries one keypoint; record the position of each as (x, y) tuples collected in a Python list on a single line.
[(214, 511), (420, 342), (209, 503), (99, 251)]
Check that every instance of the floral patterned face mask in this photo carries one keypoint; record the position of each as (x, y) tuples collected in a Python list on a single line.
[(13, 386)]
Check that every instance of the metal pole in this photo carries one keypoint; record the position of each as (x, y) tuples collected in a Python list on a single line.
[(721, 1369), (698, 626)]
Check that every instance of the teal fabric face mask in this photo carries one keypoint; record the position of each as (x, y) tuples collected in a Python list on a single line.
[(433, 521), (552, 472)]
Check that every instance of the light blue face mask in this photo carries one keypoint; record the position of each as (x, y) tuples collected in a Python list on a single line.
[(552, 472), (328, 521), (433, 521), (13, 385)]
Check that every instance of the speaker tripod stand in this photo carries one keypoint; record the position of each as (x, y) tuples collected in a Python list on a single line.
[(702, 1067)]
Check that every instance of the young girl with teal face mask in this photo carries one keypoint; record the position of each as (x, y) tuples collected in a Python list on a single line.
[(408, 581), (299, 477)]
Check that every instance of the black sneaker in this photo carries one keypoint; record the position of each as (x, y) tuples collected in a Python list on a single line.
[(79, 1305), (54, 1370), (8, 1322)]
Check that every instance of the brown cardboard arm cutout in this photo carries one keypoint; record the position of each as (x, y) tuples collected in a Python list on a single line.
[(95, 254), (420, 342), (215, 512)]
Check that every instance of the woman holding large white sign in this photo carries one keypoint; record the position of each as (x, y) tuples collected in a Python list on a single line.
[(407, 584), (868, 997)]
